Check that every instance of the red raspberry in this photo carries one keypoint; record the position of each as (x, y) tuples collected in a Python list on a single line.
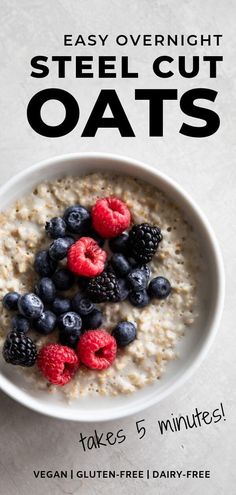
[(97, 349), (110, 217), (86, 258), (57, 363)]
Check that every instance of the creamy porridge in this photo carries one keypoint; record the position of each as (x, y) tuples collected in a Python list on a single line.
[(160, 324)]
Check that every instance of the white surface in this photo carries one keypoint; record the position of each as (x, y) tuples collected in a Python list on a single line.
[(204, 167)]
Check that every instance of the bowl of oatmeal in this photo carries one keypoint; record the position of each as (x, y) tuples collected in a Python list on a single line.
[(172, 334)]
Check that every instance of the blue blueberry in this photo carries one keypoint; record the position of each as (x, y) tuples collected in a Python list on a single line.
[(146, 270), (123, 289), (46, 323), (92, 320), (82, 305), (139, 298), (69, 325), (61, 305), (159, 287), (43, 264), (78, 219), (59, 247), (124, 333), (100, 240), (30, 306), (56, 227), (137, 279), (46, 290), (119, 244), (63, 279), (120, 264), (20, 324), (10, 300)]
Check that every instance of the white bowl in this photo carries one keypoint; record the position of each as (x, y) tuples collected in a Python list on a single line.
[(192, 347)]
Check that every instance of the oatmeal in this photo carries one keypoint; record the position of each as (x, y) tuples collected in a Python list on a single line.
[(159, 324)]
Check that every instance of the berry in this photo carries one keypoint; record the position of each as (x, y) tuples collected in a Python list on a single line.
[(57, 363), (30, 306), (70, 328), (124, 333), (77, 219), (43, 264), (137, 279), (110, 217), (86, 258), (46, 322), (143, 242), (119, 244), (46, 290), (97, 349), (92, 320), (10, 300), (159, 287), (100, 240), (103, 288), (82, 305), (19, 349), (139, 298), (61, 305), (123, 289), (146, 269), (20, 324), (63, 279), (120, 265), (59, 247), (56, 227)]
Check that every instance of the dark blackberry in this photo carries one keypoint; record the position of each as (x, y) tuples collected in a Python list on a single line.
[(103, 288), (143, 242), (19, 350)]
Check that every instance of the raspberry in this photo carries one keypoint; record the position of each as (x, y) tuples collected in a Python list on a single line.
[(97, 349), (57, 363), (110, 217), (86, 258)]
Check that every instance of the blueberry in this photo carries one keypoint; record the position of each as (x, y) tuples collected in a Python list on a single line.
[(63, 279), (137, 279), (61, 305), (119, 244), (92, 320), (46, 290), (82, 305), (56, 227), (10, 300), (46, 323), (146, 270), (124, 333), (120, 264), (30, 306), (20, 324), (70, 328), (123, 289), (139, 298), (159, 287), (59, 247), (77, 218), (43, 264), (100, 240), (83, 282)]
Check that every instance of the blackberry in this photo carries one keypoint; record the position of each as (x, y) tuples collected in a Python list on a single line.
[(103, 288), (19, 349), (143, 242)]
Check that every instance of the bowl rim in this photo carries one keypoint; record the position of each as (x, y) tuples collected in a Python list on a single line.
[(34, 404)]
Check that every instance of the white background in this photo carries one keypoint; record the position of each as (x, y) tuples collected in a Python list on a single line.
[(204, 167)]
